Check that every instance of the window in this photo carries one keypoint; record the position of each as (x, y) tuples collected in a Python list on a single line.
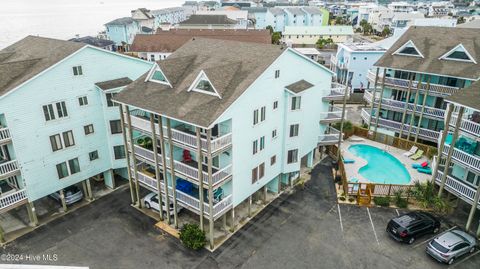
[(296, 100), (275, 105), (273, 159), (274, 133), (88, 129), (74, 166), (152, 57), (115, 127), (56, 142), (263, 112), (204, 85), (255, 116), (77, 70), (277, 72), (82, 101), (158, 75), (255, 146), (458, 53), (62, 170), (408, 49), (254, 175), (119, 152), (48, 112), (294, 130), (261, 171), (109, 97), (262, 143), (61, 109), (68, 139), (93, 155), (292, 156)]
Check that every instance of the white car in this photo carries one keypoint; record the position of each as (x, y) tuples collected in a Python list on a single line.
[(151, 202)]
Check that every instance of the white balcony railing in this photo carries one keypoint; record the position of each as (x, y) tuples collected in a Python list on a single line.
[(435, 89), (184, 169), (333, 115), (187, 200), (330, 138), (9, 168), (471, 161), (337, 92), (13, 198), (458, 188), (4, 135), (431, 112), (183, 137), (423, 133), (466, 125)]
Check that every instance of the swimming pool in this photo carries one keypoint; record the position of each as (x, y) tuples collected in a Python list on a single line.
[(382, 167)]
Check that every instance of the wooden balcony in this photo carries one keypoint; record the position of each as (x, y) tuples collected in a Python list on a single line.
[(186, 200), (337, 93), (395, 126), (332, 116), (402, 84), (9, 169), (184, 138), (5, 136), (187, 170), (330, 138), (12, 199), (467, 126), (394, 105)]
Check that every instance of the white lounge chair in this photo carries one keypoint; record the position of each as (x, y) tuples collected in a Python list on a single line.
[(412, 151)]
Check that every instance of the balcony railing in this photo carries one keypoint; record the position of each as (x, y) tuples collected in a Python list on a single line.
[(435, 89), (337, 92), (187, 200), (466, 125), (340, 64), (184, 169), (333, 115), (423, 133), (431, 112), (331, 138), (13, 199), (4, 135), (9, 169), (458, 188), (470, 161), (183, 138)]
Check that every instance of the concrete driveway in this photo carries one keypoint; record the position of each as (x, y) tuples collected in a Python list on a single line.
[(306, 229)]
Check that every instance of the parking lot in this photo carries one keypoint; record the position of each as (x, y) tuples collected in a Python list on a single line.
[(306, 229)]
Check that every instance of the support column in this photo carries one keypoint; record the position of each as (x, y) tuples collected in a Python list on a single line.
[(279, 178), (347, 89), (172, 173), (232, 224), (444, 135), (200, 175), (210, 186), (404, 115), (264, 194), (473, 209), (62, 200), (377, 114), (2, 235), (85, 191), (32, 214), (412, 118), (373, 98), (224, 222), (250, 206), (450, 150), (153, 129), (109, 179), (133, 160), (128, 153), (89, 190), (164, 165), (423, 108)]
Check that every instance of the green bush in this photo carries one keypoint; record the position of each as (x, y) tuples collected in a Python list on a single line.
[(382, 201), (192, 237), (427, 197), (399, 200), (351, 199)]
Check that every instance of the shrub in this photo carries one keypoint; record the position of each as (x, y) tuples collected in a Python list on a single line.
[(427, 197), (399, 200), (351, 199), (382, 201), (192, 237)]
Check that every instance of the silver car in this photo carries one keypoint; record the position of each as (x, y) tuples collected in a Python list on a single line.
[(450, 245)]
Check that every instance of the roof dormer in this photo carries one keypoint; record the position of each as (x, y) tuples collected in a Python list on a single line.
[(458, 53), (156, 75), (202, 84), (408, 49)]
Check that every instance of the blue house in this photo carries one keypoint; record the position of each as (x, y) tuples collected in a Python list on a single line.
[(122, 31)]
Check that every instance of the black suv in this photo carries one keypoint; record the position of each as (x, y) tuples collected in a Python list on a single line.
[(406, 228)]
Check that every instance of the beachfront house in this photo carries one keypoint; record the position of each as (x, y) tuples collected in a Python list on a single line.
[(309, 35)]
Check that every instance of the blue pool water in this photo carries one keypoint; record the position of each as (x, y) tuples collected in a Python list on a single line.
[(382, 167)]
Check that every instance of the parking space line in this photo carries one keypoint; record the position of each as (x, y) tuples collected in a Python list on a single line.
[(398, 213), (423, 242), (464, 259), (373, 227), (340, 216)]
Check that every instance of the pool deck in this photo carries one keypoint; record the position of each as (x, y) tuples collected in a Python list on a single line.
[(351, 169)]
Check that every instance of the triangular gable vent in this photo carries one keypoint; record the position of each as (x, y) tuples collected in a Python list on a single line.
[(203, 85), (156, 75), (459, 53), (409, 49)]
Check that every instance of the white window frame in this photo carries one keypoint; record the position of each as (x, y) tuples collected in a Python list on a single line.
[(459, 46), (296, 156), (202, 76), (263, 113), (296, 128), (77, 68), (274, 134), (255, 147), (83, 99), (408, 43), (150, 76), (299, 103)]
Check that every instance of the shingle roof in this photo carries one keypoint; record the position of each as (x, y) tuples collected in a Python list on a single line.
[(170, 41), (276, 11), (121, 21), (469, 97), (30, 56), (312, 10), (230, 66), (434, 42), (167, 10), (470, 24), (112, 84), (94, 41), (295, 11), (255, 9), (319, 30), (299, 86), (208, 19)]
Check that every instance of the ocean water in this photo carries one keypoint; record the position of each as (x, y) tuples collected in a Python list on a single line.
[(65, 18)]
